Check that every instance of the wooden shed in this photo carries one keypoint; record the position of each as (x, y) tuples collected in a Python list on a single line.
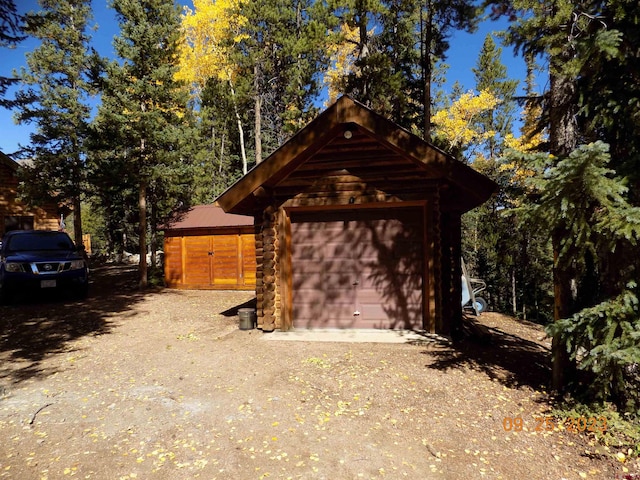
[(358, 226), (206, 248)]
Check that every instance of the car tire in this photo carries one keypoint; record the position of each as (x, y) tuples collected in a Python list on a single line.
[(5, 298), (81, 293)]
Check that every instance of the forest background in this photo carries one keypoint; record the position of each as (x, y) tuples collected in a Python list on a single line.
[(193, 98)]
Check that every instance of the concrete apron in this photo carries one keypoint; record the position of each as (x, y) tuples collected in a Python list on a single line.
[(356, 336)]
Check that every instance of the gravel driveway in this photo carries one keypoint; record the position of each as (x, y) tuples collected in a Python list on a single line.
[(163, 385)]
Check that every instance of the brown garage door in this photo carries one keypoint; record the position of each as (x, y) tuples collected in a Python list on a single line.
[(357, 269)]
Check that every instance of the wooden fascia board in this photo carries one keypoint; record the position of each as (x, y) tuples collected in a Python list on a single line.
[(476, 185)]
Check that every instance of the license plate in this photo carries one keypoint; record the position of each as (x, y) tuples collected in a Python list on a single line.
[(47, 283)]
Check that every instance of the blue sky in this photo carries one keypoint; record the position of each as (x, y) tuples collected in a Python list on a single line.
[(462, 57)]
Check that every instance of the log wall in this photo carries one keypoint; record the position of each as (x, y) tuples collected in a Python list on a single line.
[(44, 217)]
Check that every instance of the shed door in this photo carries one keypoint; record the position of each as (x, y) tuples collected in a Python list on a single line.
[(224, 260), (197, 262), (357, 269), (218, 261)]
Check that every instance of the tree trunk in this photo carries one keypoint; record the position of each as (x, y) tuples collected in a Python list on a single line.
[(240, 129), (258, 116), (77, 221), (426, 34), (563, 136), (514, 299), (142, 208), (562, 305), (562, 141), (154, 235)]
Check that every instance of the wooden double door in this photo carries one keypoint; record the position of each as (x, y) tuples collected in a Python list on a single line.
[(225, 261)]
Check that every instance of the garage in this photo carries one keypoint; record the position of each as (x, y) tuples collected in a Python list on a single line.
[(206, 248), (358, 225), (357, 269)]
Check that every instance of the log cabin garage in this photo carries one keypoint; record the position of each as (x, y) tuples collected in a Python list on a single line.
[(206, 248), (358, 226)]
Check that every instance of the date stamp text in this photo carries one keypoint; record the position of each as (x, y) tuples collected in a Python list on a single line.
[(550, 424)]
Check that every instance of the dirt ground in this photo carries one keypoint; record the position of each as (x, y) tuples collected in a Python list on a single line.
[(163, 385)]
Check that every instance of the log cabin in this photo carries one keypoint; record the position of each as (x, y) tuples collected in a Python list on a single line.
[(16, 214), (358, 225)]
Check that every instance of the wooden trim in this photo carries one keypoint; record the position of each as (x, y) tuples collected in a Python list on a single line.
[(239, 261), (281, 162), (347, 113), (355, 206), (183, 261), (429, 267), (286, 270), (204, 231)]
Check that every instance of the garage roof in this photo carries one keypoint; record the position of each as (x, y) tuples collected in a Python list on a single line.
[(351, 137), (207, 216)]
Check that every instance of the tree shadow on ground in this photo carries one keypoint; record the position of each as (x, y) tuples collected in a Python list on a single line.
[(37, 326), (511, 360)]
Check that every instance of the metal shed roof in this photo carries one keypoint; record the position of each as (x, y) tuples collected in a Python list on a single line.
[(207, 216)]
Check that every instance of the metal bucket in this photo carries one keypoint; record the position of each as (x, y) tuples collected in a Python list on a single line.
[(247, 318)]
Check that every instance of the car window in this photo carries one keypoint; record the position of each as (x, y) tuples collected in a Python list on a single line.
[(39, 241)]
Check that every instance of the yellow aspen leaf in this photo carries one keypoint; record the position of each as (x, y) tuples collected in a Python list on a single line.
[(456, 126), (211, 30)]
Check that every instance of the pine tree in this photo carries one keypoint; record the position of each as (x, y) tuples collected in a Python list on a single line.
[(144, 109), (491, 76), (216, 156), (390, 71), (58, 79), (10, 35), (582, 195), (283, 49), (493, 246), (437, 19)]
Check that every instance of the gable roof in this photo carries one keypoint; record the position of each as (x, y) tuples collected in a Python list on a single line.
[(5, 160), (352, 135), (207, 216)]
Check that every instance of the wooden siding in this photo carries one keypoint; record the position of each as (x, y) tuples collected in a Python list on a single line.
[(45, 217), (225, 261), (324, 189), (349, 137), (350, 158)]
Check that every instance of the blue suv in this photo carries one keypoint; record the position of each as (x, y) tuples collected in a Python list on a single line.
[(35, 260)]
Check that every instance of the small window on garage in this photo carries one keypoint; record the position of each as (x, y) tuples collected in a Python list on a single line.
[(18, 222)]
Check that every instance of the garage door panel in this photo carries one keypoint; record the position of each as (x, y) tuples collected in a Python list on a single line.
[(366, 264), (305, 269), (306, 280), (338, 280), (319, 316), (375, 315), (173, 260), (308, 252)]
